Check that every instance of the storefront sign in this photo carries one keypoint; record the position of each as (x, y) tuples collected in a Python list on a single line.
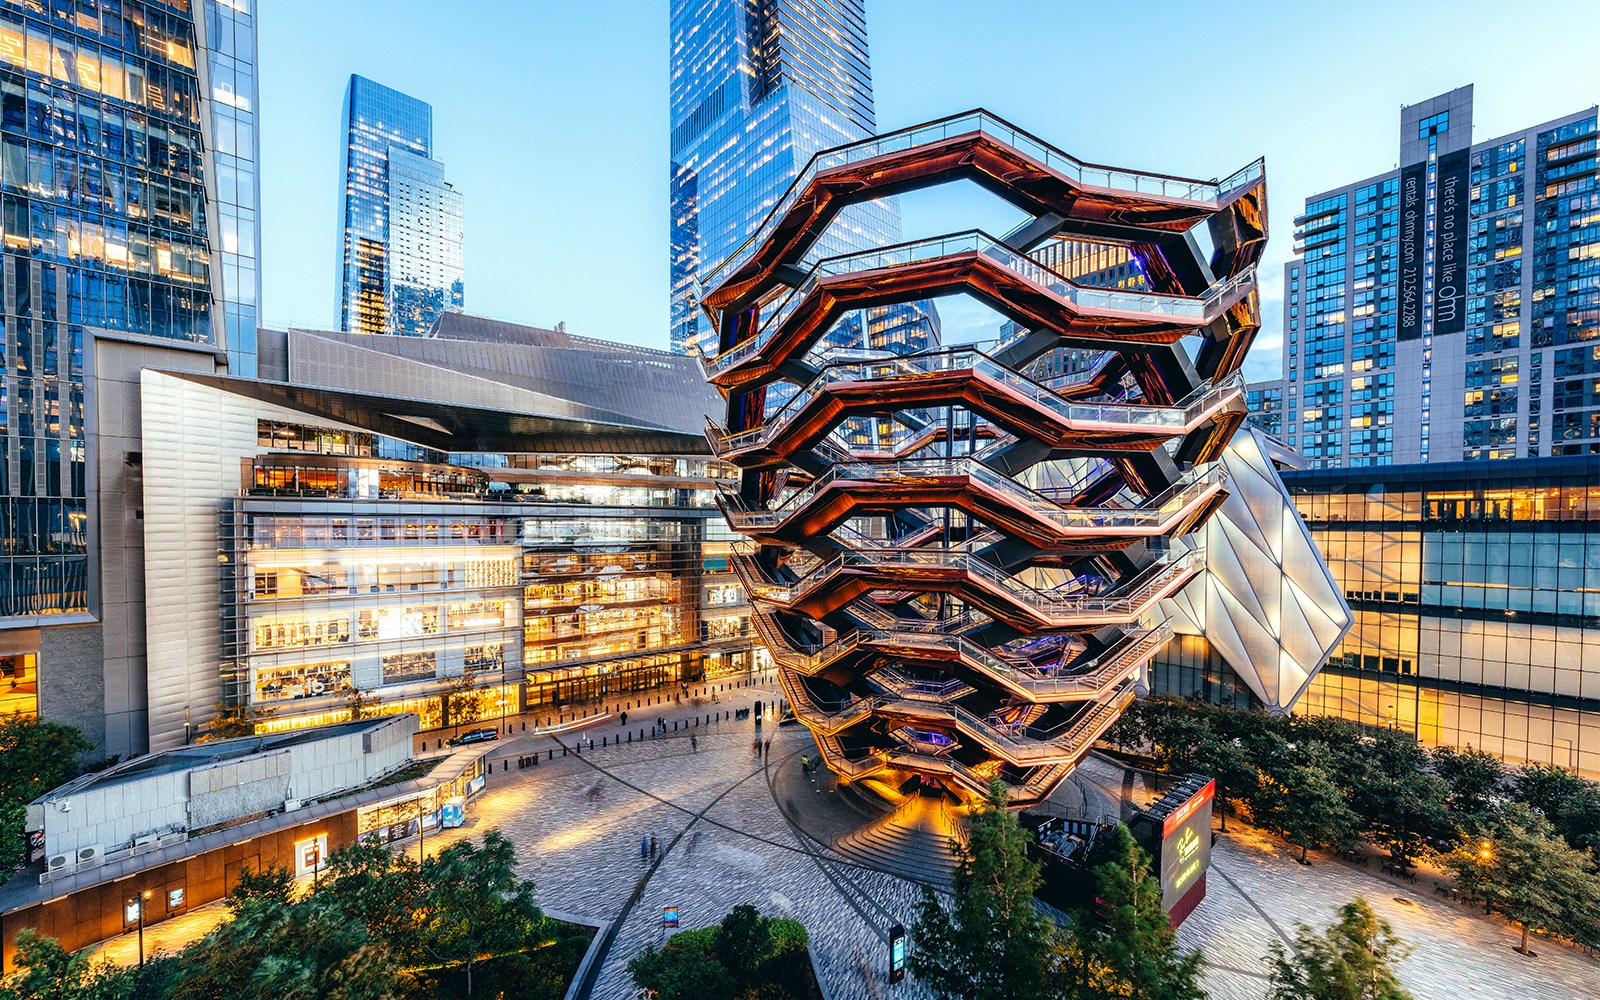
[(1450, 245), (1413, 180)]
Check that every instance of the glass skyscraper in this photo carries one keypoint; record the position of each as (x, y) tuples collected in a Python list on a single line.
[(758, 88), (400, 222), (234, 187), (128, 191), (1447, 309)]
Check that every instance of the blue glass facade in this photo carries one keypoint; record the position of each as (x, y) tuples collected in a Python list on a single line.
[(234, 184), (1481, 354), (104, 212), (1476, 594), (400, 222), (758, 88)]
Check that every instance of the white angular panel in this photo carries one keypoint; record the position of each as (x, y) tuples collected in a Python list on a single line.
[(1267, 603)]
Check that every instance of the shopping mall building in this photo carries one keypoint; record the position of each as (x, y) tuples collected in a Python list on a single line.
[(469, 526), (1475, 592)]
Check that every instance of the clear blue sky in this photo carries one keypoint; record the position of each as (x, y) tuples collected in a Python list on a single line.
[(551, 118)]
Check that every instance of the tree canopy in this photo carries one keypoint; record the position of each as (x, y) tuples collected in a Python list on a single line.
[(1352, 960)]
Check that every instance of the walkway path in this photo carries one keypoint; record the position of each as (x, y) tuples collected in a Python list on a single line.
[(725, 840)]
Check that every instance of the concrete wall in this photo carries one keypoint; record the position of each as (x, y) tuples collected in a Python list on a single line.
[(112, 814), (73, 681), (117, 511), (193, 438)]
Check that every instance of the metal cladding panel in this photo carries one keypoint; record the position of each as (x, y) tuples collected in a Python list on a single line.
[(1267, 603)]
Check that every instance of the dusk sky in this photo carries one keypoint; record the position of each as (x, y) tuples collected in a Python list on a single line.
[(551, 119)]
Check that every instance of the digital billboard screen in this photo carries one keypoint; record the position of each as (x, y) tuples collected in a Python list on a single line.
[(1186, 845)]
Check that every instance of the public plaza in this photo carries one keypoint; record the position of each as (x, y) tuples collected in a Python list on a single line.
[(731, 829)]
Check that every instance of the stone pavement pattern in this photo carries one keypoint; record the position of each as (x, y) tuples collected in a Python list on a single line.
[(577, 821)]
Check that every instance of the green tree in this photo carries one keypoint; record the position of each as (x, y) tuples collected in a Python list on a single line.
[(46, 971), (1352, 960), (1476, 780), (1402, 806), (685, 968), (472, 904), (990, 943), (362, 704), (1302, 803), (1126, 946), (229, 721), (461, 701), (286, 949), (1569, 802), (380, 888), (34, 758), (747, 957), (1527, 873), (1192, 747)]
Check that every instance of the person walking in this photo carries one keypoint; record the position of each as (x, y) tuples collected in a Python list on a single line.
[(644, 848), (805, 764), (694, 744), (653, 845), (624, 718)]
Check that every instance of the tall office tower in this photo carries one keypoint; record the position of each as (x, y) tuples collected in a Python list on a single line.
[(758, 88), (1439, 311), (128, 145), (400, 221)]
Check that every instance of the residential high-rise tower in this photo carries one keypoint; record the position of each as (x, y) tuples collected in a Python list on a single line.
[(758, 88), (1445, 310), (400, 221)]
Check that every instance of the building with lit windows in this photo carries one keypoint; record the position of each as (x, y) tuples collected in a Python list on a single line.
[(1264, 402), (757, 90), (1444, 310), (1476, 595), (127, 160), (454, 526), (399, 220)]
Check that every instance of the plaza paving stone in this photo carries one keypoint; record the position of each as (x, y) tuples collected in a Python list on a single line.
[(724, 838)]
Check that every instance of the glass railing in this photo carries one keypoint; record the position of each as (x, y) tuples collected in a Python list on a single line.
[(1129, 599), (1067, 166), (1115, 416), (1152, 513), (1082, 298)]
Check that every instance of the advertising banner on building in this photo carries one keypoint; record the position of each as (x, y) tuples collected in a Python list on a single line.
[(1413, 201), (1450, 244)]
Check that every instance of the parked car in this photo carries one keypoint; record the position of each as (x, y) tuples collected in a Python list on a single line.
[(475, 736)]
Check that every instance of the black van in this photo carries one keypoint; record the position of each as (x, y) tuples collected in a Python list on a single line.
[(475, 736)]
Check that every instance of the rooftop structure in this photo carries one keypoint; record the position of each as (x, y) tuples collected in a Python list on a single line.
[(975, 595)]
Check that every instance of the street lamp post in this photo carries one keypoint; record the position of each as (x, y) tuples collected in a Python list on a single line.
[(137, 902)]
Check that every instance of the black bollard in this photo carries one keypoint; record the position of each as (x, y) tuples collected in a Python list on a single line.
[(505, 765), (524, 726)]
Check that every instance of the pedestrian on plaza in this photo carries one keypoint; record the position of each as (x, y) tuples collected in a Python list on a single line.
[(644, 848), (766, 750), (653, 845), (624, 718), (805, 764), (694, 744)]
